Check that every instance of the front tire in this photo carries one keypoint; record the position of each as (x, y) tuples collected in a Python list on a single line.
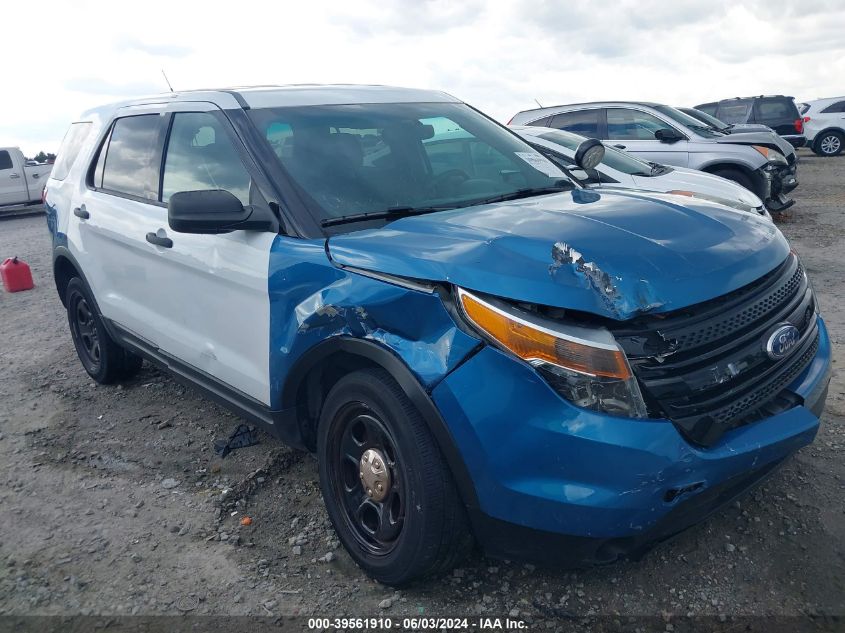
[(736, 176), (829, 144), (104, 360), (387, 488)]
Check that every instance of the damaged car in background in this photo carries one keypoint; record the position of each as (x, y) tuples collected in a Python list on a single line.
[(617, 169), (762, 162), (464, 335)]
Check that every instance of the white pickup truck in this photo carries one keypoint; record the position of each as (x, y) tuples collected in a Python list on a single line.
[(20, 183)]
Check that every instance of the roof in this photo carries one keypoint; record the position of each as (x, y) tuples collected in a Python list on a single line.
[(295, 95), (538, 113)]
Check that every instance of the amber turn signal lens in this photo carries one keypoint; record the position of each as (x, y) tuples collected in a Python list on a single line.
[(533, 343)]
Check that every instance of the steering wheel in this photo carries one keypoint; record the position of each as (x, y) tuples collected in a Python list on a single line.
[(450, 179)]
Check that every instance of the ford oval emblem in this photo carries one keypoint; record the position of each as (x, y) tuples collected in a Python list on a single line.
[(782, 341)]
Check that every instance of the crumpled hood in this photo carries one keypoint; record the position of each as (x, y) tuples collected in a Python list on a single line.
[(612, 254), (769, 139)]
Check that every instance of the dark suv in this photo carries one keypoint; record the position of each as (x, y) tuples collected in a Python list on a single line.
[(776, 111)]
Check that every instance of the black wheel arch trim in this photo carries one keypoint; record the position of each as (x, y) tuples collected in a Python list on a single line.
[(62, 252), (416, 393)]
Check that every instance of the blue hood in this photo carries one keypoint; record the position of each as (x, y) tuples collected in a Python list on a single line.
[(611, 254)]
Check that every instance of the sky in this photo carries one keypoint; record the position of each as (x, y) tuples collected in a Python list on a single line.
[(62, 57)]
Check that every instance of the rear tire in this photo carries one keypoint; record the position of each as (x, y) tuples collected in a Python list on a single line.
[(104, 360), (414, 523), (829, 144), (736, 176)]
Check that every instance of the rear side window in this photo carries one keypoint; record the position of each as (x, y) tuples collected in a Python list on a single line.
[(200, 156), (129, 166), (544, 122), (834, 107), (583, 122), (734, 111), (5, 160), (69, 150)]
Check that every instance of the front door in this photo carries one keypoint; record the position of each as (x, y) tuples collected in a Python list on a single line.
[(633, 131)]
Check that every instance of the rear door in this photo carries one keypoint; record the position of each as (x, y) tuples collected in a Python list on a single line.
[(588, 122), (118, 206), (633, 130)]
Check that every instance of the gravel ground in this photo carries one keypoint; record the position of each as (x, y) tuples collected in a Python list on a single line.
[(112, 501)]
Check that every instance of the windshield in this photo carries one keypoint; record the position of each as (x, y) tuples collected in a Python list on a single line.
[(613, 158), (706, 118), (687, 121), (377, 159)]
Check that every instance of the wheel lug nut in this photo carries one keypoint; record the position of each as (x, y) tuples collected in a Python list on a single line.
[(379, 487), (369, 492)]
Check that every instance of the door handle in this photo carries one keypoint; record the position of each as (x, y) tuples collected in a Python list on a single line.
[(158, 240), (14, 176), (619, 146), (81, 212)]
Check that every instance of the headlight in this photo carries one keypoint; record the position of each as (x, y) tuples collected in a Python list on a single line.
[(584, 365), (774, 157)]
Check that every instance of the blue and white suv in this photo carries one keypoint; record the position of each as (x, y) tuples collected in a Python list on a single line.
[(475, 347)]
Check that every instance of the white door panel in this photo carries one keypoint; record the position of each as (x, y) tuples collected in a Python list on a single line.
[(215, 308)]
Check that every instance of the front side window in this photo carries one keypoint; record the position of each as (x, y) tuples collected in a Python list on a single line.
[(129, 165), (690, 122), (376, 158), (632, 125), (583, 122), (69, 149), (200, 156), (5, 160)]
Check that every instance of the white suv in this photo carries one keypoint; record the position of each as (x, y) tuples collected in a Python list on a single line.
[(824, 125)]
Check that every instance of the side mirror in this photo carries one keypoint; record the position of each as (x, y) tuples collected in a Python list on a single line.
[(211, 211), (668, 135), (589, 154)]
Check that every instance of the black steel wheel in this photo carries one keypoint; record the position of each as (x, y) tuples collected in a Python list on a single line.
[(104, 360), (387, 488), (365, 469)]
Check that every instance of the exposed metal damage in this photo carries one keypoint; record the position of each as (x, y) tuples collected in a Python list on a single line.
[(622, 304)]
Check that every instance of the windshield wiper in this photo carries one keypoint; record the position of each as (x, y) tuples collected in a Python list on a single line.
[(391, 213), (520, 193)]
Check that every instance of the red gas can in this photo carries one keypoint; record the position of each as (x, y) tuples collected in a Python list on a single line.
[(16, 275)]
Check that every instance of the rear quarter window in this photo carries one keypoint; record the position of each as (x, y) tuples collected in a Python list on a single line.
[(71, 146), (839, 106), (734, 111)]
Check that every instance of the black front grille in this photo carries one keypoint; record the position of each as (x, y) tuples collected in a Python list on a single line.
[(705, 367)]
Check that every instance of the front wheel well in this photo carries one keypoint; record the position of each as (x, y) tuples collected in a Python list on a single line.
[(316, 384), (753, 176)]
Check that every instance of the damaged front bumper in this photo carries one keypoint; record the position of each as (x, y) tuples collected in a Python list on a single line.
[(560, 484), (780, 180)]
